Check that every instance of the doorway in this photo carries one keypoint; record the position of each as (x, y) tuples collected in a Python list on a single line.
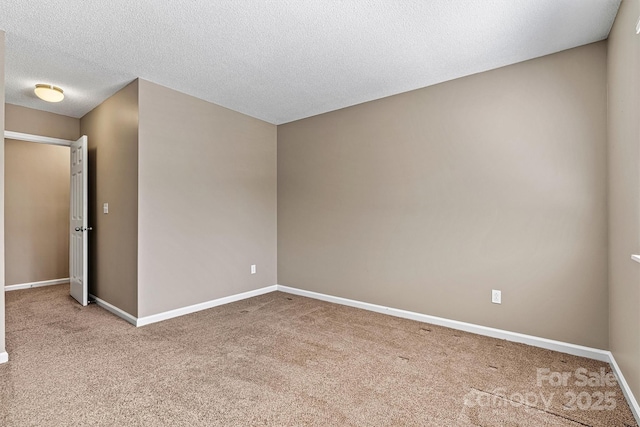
[(45, 213)]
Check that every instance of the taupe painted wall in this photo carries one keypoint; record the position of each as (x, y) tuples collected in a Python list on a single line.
[(37, 197), (36, 212), (207, 201), (36, 122), (112, 129), (624, 192), (2, 340), (427, 200)]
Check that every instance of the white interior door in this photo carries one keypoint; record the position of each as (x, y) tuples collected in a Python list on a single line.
[(78, 228)]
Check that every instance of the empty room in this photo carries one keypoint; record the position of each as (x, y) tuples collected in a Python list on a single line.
[(320, 213)]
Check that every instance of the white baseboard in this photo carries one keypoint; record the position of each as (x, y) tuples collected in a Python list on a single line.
[(4, 357), (154, 318), (626, 390), (563, 347), (142, 321), (115, 310), (36, 284)]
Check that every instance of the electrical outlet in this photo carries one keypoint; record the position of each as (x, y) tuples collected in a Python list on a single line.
[(496, 296), (253, 269)]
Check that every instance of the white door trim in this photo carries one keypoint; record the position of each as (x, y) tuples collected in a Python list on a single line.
[(18, 136)]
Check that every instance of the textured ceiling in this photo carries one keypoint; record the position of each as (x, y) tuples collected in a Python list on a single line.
[(278, 60)]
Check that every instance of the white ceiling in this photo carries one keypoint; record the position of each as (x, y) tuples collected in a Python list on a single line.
[(278, 60)]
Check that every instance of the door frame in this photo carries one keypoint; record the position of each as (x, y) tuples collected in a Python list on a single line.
[(27, 137), (18, 136)]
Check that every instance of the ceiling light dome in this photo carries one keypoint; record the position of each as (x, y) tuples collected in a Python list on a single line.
[(49, 93)]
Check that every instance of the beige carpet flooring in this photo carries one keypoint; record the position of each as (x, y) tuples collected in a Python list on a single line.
[(280, 360)]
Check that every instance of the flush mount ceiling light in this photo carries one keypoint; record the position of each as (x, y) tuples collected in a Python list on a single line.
[(49, 93)]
